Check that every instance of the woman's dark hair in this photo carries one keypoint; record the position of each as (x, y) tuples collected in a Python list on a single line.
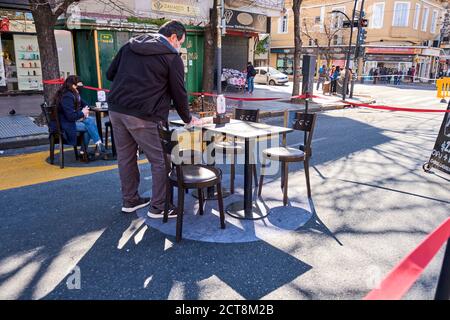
[(172, 27), (67, 86)]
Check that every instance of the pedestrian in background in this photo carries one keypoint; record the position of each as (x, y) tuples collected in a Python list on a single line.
[(251, 73), (323, 76), (334, 79)]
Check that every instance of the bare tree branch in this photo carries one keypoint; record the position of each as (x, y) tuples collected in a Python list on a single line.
[(62, 8)]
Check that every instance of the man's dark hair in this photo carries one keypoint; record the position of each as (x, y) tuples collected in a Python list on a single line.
[(172, 27)]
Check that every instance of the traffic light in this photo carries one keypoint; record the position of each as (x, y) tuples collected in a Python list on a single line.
[(362, 36), (363, 23)]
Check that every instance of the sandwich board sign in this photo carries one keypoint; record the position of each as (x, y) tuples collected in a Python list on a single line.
[(440, 156)]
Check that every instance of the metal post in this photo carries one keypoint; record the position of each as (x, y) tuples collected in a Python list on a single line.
[(358, 47), (219, 47), (347, 62), (203, 106), (443, 287)]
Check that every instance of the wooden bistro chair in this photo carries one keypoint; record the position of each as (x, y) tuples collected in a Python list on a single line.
[(57, 137), (236, 146), (108, 128), (187, 176), (303, 122)]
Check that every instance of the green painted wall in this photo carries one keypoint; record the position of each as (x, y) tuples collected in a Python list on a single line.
[(85, 62), (194, 45)]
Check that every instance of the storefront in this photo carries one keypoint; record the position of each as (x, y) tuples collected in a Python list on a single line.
[(20, 63), (97, 43), (424, 60), (239, 41)]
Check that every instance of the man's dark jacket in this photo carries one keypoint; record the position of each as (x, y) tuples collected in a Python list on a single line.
[(147, 73)]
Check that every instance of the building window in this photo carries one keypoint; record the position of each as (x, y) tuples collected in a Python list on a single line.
[(425, 18), (433, 21), (317, 20), (283, 24), (378, 15), (401, 14), (337, 19), (416, 16)]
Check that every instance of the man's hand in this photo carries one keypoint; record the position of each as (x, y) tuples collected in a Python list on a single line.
[(85, 112)]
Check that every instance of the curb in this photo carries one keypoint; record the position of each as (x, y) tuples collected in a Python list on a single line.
[(22, 142)]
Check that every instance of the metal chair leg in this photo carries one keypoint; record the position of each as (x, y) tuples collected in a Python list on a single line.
[(106, 136), (233, 172), (75, 150), (179, 229), (52, 149), (308, 184), (261, 177), (220, 201), (61, 153), (169, 195), (200, 200), (285, 188)]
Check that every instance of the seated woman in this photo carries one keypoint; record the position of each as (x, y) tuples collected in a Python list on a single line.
[(73, 115)]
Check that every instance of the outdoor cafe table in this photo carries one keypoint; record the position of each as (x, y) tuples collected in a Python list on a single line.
[(98, 118), (247, 131)]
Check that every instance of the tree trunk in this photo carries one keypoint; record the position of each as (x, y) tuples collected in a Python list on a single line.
[(297, 46), (45, 25), (210, 43)]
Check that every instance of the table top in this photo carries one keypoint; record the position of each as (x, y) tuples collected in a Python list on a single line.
[(98, 109), (240, 129)]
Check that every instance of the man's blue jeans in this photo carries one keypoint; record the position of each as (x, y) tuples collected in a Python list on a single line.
[(91, 132), (250, 84)]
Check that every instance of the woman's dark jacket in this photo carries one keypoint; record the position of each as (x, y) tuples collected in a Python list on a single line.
[(68, 115)]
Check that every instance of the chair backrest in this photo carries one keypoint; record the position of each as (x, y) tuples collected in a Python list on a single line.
[(169, 143), (51, 114), (305, 122), (247, 114)]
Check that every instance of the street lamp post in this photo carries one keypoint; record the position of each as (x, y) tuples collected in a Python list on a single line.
[(347, 62)]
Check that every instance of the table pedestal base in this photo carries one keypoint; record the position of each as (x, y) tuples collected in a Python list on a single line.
[(211, 196), (236, 210)]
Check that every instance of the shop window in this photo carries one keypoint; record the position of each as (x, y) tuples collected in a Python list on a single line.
[(285, 63)]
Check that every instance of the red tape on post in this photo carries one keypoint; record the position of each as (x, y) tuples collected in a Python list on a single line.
[(403, 276)]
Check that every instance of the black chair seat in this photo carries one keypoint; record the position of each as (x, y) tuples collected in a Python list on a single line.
[(195, 174), (230, 146), (284, 154)]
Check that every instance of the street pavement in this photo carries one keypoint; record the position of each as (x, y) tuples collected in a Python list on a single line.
[(371, 204)]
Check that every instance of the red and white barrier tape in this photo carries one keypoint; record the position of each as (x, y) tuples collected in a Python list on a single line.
[(403, 276), (303, 96)]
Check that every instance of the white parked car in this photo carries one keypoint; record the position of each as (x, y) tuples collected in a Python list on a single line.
[(274, 77)]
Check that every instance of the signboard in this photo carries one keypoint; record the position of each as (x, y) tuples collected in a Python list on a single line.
[(397, 50), (245, 21), (16, 21), (431, 52), (177, 8), (440, 156)]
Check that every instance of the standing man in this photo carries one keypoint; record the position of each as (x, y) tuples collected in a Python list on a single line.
[(251, 73), (147, 73), (323, 75)]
